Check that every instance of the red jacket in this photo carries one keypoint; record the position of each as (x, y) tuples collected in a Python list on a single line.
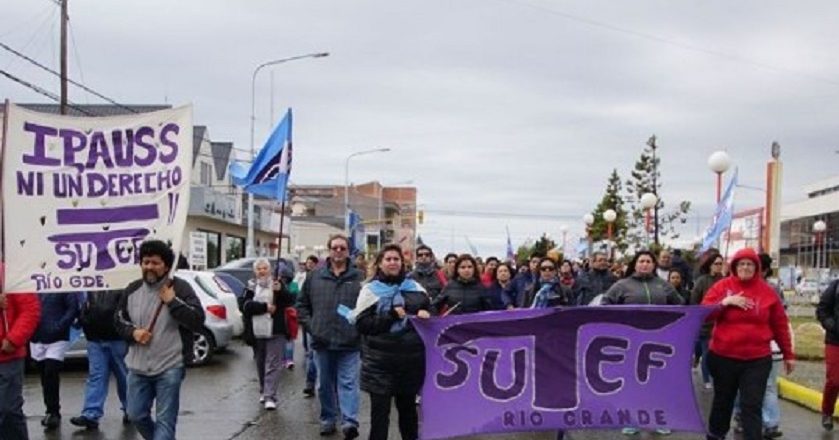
[(21, 317), (746, 334)]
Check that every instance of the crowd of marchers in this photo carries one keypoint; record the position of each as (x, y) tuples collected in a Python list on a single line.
[(353, 318)]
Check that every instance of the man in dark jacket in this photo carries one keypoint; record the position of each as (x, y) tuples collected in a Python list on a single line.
[(426, 272), (334, 340), (157, 316), (599, 279), (19, 315), (48, 346), (827, 313), (105, 356)]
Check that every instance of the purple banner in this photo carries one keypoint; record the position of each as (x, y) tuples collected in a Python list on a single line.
[(549, 369)]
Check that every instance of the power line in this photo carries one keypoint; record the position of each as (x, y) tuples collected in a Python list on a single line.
[(40, 90)]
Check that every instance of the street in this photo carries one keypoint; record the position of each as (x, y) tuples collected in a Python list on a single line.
[(219, 401)]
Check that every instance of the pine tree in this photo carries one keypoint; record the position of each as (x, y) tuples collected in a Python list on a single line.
[(646, 177), (612, 199)]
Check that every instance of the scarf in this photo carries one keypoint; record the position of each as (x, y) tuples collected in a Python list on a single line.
[(386, 296), (540, 300)]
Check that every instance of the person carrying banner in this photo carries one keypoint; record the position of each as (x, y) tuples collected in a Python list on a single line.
[(105, 356), (393, 355), (748, 316), (20, 314), (157, 315), (827, 313), (48, 346), (265, 300), (548, 291), (599, 279), (464, 293), (335, 341), (642, 286), (426, 272), (710, 271)]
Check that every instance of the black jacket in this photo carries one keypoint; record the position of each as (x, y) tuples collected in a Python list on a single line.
[(97, 315), (392, 363), (827, 312), (433, 281), (598, 281), (188, 312), (469, 297), (317, 307), (250, 308), (58, 312), (558, 296)]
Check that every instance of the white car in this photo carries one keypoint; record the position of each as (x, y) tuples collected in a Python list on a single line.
[(215, 286), (217, 331)]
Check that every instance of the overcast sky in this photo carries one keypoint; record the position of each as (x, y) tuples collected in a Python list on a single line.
[(489, 106)]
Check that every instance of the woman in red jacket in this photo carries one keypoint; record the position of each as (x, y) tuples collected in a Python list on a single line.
[(749, 315), (19, 315)]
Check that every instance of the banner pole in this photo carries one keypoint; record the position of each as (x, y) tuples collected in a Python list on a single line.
[(280, 240), (3, 135)]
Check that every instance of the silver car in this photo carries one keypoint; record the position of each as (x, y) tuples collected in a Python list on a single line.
[(215, 335)]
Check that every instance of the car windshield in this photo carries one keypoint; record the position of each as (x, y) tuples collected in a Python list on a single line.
[(241, 263), (206, 287)]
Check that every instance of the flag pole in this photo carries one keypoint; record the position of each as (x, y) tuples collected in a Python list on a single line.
[(280, 240)]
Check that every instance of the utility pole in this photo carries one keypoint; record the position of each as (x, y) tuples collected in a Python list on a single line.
[(651, 143), (64, 19)]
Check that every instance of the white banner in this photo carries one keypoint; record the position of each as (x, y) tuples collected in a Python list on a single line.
[(81, 194)]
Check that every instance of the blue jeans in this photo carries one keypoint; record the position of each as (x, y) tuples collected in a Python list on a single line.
[(339, 371), (12, 420), (703, 364), (104, 358), (311, 367), (164, 391), (771, 409)]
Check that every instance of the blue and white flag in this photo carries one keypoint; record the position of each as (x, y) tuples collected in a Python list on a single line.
[(511, 255), (268, 175), (722, 216), (358, 239)]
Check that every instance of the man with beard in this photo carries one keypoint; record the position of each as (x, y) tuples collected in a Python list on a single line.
[(157, 316), (426, 272)]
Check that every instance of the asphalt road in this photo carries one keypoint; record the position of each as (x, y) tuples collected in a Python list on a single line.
[(219, 401)]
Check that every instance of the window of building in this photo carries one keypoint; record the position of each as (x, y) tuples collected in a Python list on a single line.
[(206, 173), (235, 248), (213, 249)]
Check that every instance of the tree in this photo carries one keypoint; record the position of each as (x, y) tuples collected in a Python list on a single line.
[(646, 177), (538, 248), (612, 199)]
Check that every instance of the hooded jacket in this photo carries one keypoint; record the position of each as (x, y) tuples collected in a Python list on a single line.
[(58, 312), (746, 334), (20, 317), (827, 313)]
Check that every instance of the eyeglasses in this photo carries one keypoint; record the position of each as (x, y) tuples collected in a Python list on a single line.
[(338, 248), (547, 268), (423, 254)]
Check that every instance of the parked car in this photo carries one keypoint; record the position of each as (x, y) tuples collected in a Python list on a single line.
[(235, 285), (242, 268), (216, 287), (215, 335)]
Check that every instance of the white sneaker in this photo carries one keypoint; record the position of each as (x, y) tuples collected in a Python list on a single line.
[(261, 399), (270, 405), (709, 386)]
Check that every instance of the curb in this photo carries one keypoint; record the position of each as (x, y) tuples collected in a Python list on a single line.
[(806, 397)]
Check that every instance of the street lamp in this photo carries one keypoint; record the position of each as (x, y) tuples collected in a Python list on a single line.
[(610, 216), (818, 229), (347, 183), (250, 247), (588, 219), (719, 162), (648, 202)]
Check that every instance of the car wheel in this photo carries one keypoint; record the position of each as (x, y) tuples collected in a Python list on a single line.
[(203, 347)]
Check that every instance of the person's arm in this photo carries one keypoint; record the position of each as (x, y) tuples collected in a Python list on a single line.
[(825, 310), (251, 307), (614, 295), (122, 320), (304, 303), (71, 311), (29, 314), (369, 322), (186, 308), (697, 292), (673, 297)]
